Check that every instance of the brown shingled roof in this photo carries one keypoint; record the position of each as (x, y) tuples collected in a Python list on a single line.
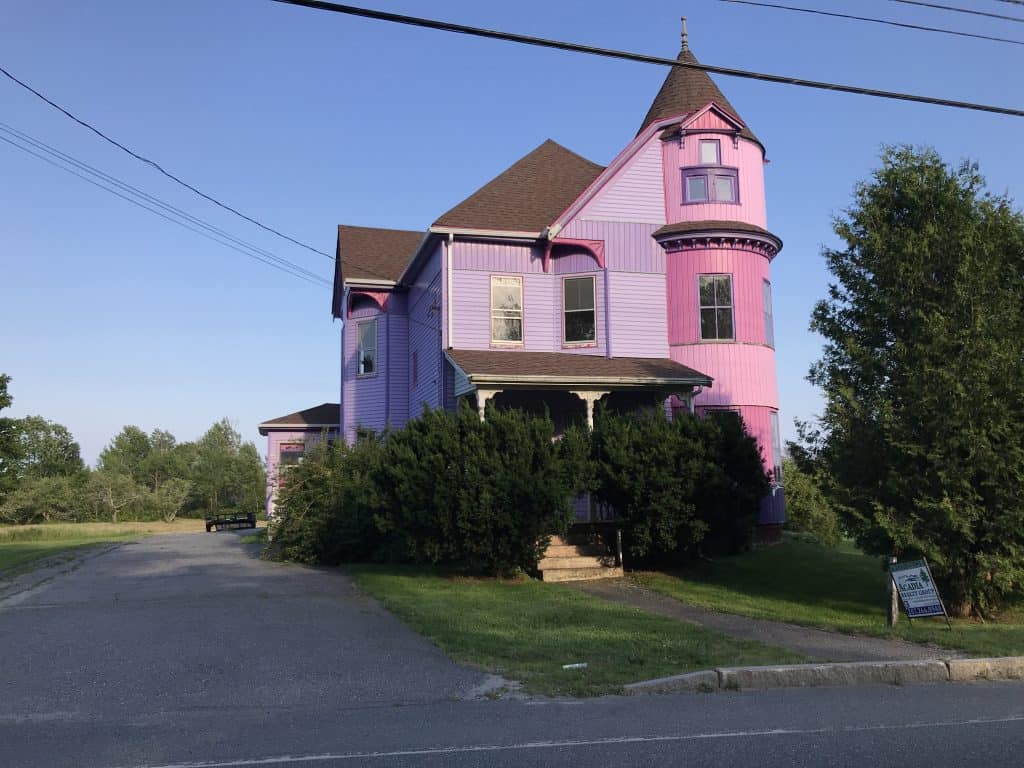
[(709, 225), (374, 253), (529, 195), (564, 367), (323, 415), (687, 90)]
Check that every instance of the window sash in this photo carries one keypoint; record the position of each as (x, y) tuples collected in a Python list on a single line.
[(769, 318), (715, 302), (710, 184), (367, 348), (507, 310), (710, 152), (579, 302)]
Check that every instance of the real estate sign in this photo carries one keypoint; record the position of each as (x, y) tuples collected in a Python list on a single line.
[(914, 582)]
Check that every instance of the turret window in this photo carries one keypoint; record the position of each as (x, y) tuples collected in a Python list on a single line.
[(710, 152), (716, 307), (710, 185)]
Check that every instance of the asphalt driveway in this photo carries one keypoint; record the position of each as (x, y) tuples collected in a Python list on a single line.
[(197, 623)]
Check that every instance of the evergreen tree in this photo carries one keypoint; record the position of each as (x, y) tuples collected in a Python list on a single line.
[(920, 444)]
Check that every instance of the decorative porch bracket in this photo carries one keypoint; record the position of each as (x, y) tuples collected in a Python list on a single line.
[(589, 397), (483, 394)]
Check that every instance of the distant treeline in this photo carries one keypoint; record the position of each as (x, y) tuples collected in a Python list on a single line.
[(138, 476)]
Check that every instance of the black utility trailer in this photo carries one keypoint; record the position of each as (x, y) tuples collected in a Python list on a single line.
[(227, 522)]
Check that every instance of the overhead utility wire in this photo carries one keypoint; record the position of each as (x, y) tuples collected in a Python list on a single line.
[(158, 167), (135, 191), (171, 176), (873, 20), (136, 201), (511, 37), (941, 7)]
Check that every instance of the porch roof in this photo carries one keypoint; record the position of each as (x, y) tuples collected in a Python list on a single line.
[(563, 369)]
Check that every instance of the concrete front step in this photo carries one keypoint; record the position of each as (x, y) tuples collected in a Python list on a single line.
[(581, 574), (568, 550), (572, 561)]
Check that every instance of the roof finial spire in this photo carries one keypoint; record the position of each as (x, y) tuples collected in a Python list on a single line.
[(686, 42)]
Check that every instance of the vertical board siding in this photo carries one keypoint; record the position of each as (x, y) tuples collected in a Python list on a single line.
[(365, 398), (744, 374), (637, 302), (424, 332), (568, 263), (635, 193), (710, 120), (628, 246), (748, 270), (749, 161)]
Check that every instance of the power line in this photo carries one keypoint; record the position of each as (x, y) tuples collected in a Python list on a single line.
[(136, 192), (143, 200), (171, 176), (873, 20), (953, 8), (462, 29), (158, 167)]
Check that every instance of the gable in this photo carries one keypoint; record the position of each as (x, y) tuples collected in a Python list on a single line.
[(634, 193), (711, 118)]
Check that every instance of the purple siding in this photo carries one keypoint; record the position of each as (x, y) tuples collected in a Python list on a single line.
[(424, 332), (635, 193), (628, 247), (364, 401), (638, 315), (514, 258)]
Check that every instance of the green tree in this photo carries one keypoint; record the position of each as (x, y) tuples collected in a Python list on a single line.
[(920, 442), (126, 454), (807, 507), (226, 473), (46, 449), (115, 495), (56, 498), (10, 447), (167, 500)]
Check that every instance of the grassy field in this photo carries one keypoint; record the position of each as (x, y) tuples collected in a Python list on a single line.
[(838, 589), (526, 630), (21, 544)]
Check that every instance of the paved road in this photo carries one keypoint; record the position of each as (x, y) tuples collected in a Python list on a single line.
[(815, 644), (185, 651)]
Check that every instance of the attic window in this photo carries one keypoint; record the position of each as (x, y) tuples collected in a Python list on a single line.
[(710, 152)]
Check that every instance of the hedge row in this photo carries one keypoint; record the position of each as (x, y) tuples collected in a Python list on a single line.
[(485, 497)]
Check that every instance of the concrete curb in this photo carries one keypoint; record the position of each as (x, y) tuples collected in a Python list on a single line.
[(846, 673)]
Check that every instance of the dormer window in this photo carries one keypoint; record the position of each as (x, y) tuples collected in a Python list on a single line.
[(710, 152)]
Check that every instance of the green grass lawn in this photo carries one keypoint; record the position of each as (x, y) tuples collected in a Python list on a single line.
[(20, 545), (526, 630), (838, 589)]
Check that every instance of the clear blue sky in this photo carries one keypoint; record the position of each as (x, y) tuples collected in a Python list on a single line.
[(111, 316)]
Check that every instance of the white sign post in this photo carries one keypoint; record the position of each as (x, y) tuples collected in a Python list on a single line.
[(917, 590)]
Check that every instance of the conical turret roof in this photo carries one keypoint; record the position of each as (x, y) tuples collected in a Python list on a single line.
[(687, 90)]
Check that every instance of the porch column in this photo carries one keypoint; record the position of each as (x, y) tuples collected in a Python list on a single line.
[(589, 397), (484, 394)]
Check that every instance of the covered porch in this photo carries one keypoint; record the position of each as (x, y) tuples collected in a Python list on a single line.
[(568, 386)]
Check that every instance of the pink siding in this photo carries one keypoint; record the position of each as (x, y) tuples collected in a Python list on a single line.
[(748, 158), (635, 193), (628, 247), (744, 374), (710, 120), (748, 270), (274, 441), (638, 315)]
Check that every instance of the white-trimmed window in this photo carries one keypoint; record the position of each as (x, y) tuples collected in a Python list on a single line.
[(716, 307), (769, 320), (366, 350), (579, 324), (506, 310)]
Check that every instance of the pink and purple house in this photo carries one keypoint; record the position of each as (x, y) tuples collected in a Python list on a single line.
[(562, 283)]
